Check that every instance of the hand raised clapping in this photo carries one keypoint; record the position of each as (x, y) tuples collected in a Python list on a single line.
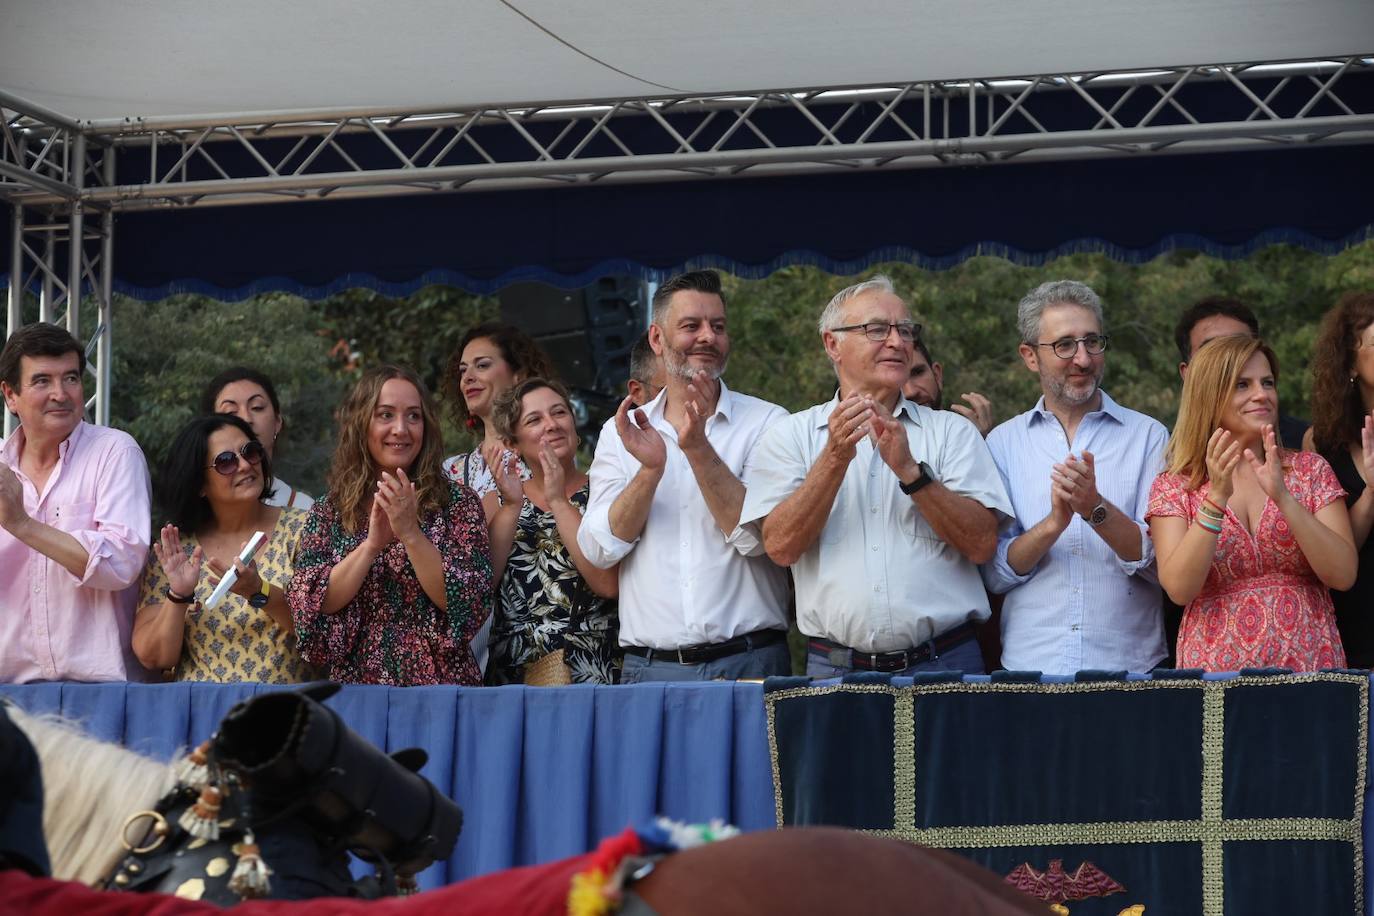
[(691, 430), (11, 499), (639, 438), (504, 465), (1076, 478), (1223, 457), (1268, 472), (396, 496), (181, 569), (849, 422), (979, 411)]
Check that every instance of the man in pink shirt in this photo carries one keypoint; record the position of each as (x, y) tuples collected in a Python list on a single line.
[(74, 521)]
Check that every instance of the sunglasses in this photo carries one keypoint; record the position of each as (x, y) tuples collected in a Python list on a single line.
[(227, 462)]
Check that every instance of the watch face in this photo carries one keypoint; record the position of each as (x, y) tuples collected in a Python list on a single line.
[(1099, 515), (258, 600)]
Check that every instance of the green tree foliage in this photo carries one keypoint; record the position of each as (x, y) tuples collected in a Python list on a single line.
[(969, 318), (165, 351)]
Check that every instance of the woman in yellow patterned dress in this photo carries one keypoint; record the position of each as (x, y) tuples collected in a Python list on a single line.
[(214, 485)]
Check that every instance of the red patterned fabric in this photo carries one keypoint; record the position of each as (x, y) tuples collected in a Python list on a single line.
[(1262, 605)]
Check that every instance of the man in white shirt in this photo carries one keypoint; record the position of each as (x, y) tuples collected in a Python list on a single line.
[(882, 507), (699, 600)]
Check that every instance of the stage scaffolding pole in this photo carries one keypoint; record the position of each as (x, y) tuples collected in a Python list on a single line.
[(15, 312)]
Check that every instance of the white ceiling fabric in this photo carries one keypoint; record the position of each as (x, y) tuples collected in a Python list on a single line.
[(164, 58)]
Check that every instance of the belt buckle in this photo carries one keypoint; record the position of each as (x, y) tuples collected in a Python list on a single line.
[(680, 659)]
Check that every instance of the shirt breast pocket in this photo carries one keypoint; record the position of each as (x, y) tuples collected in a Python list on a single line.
[(75, 517), (915, 526)]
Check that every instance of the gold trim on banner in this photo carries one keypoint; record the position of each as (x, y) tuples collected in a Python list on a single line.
[(904, 761), (1126, 832), (1213, 750), (1212, 830)]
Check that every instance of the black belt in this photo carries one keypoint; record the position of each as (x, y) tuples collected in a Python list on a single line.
[(892, 661), (709, 652)]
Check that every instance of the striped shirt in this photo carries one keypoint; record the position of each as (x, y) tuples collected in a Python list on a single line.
[(1082, 606)]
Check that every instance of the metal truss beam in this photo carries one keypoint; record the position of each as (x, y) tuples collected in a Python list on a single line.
[(66, 277), (255, 158)]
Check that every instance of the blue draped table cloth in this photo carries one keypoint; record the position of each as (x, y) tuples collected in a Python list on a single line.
[(541, 773)]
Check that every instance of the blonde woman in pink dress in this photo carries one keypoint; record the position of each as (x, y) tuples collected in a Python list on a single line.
[(1249, 536)]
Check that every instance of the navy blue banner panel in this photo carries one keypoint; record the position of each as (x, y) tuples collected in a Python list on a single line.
[(1132, 209), (1182, 796)]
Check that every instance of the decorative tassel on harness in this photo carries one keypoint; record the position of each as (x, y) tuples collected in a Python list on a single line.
[(251, 874), (193, 770), (202, 819)]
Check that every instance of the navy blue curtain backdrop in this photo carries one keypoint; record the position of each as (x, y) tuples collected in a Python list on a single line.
[(1232, 795), (1227, 205), (541, 774)]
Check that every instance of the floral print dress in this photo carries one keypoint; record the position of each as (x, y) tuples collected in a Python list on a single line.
[(544, 605), (391, 632), (236, 641), (1261, 605)]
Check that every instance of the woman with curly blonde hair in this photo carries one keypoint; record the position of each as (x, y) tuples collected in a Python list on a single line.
[(1343, 433), (393, 574), (1248, 536)]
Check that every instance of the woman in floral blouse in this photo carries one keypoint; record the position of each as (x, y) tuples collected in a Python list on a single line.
[(213, 484), (1248, 535), (393, 576), (553, 622)]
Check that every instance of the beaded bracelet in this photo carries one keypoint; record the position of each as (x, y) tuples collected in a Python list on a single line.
[(1215, 516), (1210, 526)]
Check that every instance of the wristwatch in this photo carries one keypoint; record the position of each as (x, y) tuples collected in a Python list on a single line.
[(1098, 515), (927, 476), (260, 599)]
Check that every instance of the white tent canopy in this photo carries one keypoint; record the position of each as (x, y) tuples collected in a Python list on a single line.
[(155, 59)]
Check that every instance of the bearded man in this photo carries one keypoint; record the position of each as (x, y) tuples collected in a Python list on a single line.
[(699, 598), (1076, 563)]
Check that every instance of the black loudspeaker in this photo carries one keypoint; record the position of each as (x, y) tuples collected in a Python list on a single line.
[(588, 333)]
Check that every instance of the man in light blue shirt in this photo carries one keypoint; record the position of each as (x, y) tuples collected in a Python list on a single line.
[(1076, 563)]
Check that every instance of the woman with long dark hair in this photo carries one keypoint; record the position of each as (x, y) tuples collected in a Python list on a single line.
[(490, 358), (393, 577), (212, 486), (1342, 432), (1248, 536), (250, 395)]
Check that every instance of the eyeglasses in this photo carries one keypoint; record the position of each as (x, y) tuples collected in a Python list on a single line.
[(227, 462), (878, 330), (1067, 347)]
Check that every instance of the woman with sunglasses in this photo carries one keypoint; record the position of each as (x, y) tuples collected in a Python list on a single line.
[(212, 485), (1248, 536), (249, 395)]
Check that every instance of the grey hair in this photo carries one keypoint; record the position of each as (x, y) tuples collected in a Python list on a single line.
[(830, 316), (1055, 292)]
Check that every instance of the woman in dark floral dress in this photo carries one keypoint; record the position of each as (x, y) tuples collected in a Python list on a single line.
[(393, 574), (551, 600)]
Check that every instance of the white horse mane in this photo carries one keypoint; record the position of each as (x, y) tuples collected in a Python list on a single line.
[(90, 787)]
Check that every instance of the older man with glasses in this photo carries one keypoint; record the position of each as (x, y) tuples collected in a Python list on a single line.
[(1076, 564), (881, 506)]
